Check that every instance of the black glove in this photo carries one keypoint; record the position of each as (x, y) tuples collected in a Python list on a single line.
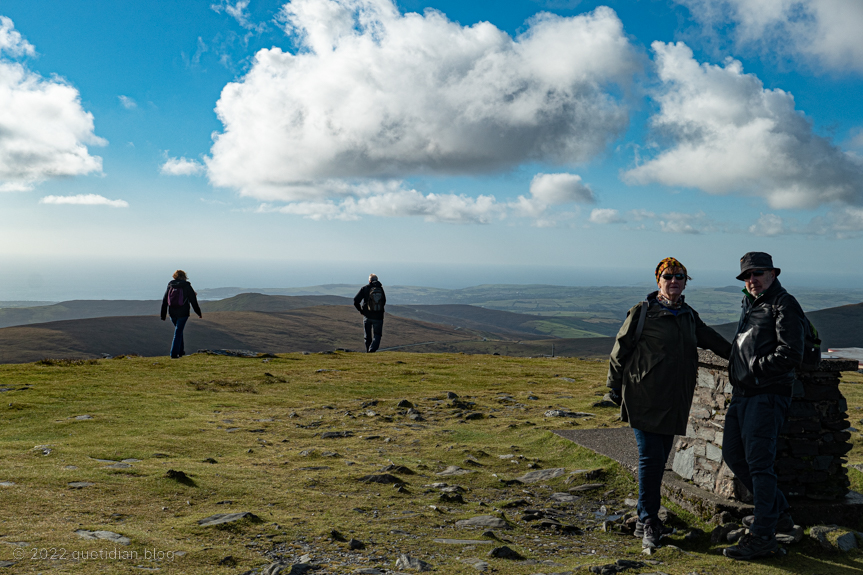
[(614, 395)]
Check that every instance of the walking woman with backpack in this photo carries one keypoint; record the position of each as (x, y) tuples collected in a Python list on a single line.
[(178, 298), (652, 373)]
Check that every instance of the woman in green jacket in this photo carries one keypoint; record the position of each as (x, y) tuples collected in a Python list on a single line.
[(652, 373)]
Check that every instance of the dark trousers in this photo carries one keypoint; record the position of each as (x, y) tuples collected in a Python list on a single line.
[(177, 348), (373, 329), (752, 427), (653, 451)]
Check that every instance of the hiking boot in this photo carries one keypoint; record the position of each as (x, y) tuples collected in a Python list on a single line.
[(639, 530), (752, 547), (783, 525), (652, 533)]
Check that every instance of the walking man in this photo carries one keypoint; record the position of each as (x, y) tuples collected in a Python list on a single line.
[(766, 350), (370, 302)]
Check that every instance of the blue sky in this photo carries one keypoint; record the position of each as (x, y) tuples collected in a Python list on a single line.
[(266, 143)]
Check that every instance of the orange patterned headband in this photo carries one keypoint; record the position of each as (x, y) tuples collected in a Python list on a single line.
[(669, 263)]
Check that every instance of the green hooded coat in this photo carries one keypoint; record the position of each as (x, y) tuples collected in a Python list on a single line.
[(656, 375)]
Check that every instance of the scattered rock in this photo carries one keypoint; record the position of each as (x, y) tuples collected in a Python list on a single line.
[(355, 544), (693, 535), (834, 537), (384, 478), (7, 483), (720, 534), (407, 562), (722, 518), (336, 434), (228, 561), (222, 518), (180, 477), (564, 497), (451, 498), (400, 469), (542, 475), (336, 536), (586, 487), (474, 415), (405, 404), (735, 535), (604, 403), (118, 465), (483, 521), (790, 537), (588, 474), (453, 470), (477, 564), (106, 535), (451, 395), (505, 553), (566, 413), (7, 563), (79, 484), (83, 417), (617, 567)]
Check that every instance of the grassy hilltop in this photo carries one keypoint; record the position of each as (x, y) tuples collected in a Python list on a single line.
[(258, 435)]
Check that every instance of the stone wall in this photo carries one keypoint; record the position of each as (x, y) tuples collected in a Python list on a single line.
[(811, 446)]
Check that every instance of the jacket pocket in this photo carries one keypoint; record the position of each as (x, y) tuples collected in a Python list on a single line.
[(641, 365)]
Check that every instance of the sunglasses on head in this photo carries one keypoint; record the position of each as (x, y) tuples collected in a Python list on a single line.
[(677, 276), (754, 274)]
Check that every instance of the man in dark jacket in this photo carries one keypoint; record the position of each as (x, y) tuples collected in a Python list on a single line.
[(370, 302), (178, 298), (767, 349)]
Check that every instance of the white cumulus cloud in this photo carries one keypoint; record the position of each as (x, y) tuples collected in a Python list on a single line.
[(730, 135), (825, 33), (547, 190), (85, 200), (375, 94), (11, 41), (181, 167), (606, 216), (447, 208), (44, 131)]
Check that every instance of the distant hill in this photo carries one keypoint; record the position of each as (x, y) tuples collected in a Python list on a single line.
[(312, 329), (84, 309)]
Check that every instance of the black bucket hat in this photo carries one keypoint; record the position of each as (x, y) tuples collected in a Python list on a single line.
[(756, 261)]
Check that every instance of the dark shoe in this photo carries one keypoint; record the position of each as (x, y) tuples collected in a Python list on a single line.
[(752, 547), (639, 530), (783, 525), (652, 533)]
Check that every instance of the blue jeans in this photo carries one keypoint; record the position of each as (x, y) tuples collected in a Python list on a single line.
[(373, 329), (653, 451), (752, 427), (177, 348)]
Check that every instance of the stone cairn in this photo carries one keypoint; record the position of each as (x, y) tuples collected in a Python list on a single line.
[(809, 461)]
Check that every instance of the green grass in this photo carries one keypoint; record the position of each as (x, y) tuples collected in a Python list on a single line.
[(261, 421)]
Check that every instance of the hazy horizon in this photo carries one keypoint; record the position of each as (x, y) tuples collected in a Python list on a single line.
[(23, 280)]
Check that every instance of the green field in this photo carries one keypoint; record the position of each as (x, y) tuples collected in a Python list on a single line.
[(249, 435)]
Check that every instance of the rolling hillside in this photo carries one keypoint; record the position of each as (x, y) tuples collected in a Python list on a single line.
[(312, 329)]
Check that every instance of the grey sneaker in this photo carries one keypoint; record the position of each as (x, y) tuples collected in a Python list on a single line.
[(652, 533), (752, 547), (783, 525), (639, 530)]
